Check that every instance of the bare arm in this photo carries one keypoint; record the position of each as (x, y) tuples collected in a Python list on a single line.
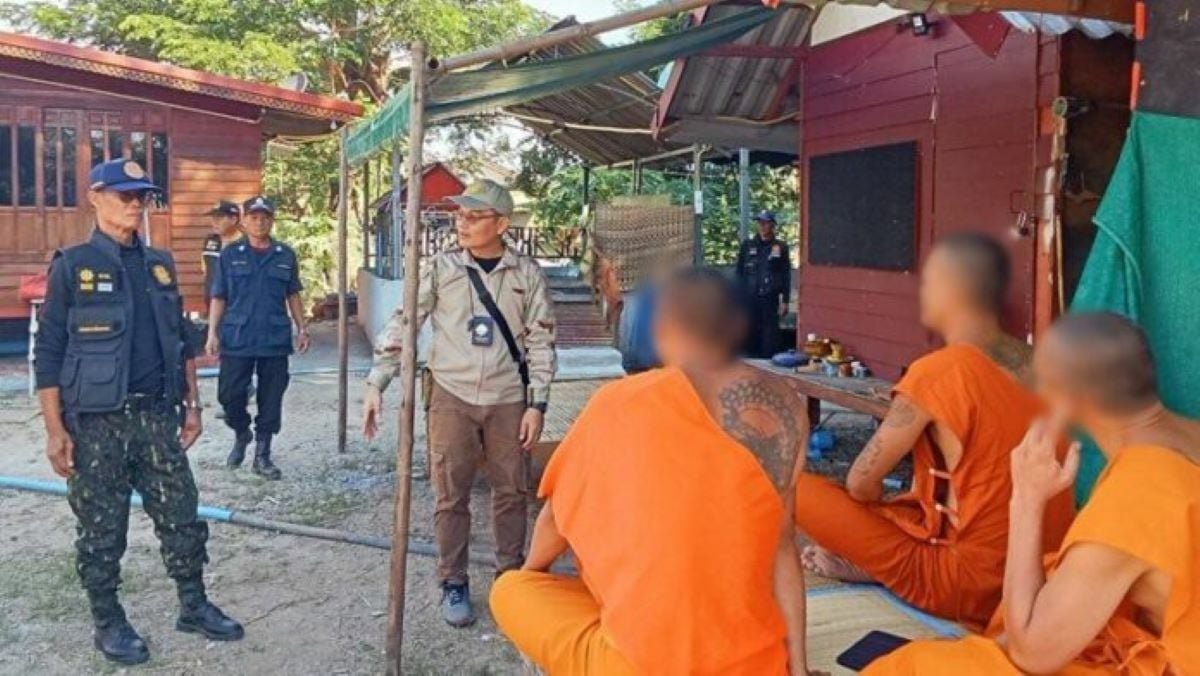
[(297, 312), (216, 310), (1050, 622), (899, 431), (766, 417), (60, 448), (547, 544)]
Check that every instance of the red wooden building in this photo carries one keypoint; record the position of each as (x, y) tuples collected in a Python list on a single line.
[(901, 137), (64, 108)]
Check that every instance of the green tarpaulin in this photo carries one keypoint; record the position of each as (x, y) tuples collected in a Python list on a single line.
[(490, 89), (1145, 263)]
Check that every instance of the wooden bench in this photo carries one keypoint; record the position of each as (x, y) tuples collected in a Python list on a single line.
[(864, 395)]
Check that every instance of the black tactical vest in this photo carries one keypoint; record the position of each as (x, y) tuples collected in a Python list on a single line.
[(95, 369)]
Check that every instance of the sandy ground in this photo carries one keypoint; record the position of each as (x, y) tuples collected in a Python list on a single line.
[(309, 606)]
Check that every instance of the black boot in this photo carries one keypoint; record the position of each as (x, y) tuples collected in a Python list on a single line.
[(238, 454), (262, 459), (199, 616), (113, 636)]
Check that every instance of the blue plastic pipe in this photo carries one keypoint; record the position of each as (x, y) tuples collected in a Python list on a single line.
[(59, 488)]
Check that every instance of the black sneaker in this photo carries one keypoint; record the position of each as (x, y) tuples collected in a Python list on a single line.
[(456, 605), (208, 620), (121, 644)]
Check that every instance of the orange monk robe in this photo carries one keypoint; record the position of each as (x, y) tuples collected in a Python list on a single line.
[(675, 527), (1147, 505), (908, 544)]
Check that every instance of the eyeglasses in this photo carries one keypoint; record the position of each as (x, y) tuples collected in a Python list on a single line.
[(471, 217), (141, 197)]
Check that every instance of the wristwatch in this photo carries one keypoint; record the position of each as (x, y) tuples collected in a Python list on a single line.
[(540, 406), (193, 404)]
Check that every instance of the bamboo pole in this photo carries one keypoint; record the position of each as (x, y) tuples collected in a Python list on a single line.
[(343, 334), (518, 48), (366, 218), (408, 364)]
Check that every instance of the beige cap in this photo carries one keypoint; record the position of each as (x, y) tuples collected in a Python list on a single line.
[(486, 194)]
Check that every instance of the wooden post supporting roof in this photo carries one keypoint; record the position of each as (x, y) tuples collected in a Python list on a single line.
[(408, 365), (343, 330)]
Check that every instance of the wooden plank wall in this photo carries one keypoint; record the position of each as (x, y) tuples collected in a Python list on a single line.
[(973, 118), (210, 157)]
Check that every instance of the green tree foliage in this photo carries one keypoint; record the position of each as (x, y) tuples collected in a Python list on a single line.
[(349, 48)]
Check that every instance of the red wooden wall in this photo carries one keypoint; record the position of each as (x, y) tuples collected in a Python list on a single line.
[(974, 119), (210, 158)]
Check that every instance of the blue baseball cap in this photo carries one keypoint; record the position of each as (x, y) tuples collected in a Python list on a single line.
[(120, 175), (768, 216)]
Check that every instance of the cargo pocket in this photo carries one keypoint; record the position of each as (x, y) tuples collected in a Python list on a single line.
[(97, 383), (232, 331), (280, 332)]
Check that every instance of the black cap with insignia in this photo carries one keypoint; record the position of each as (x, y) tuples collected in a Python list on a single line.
[(259, 203), (224, 208)]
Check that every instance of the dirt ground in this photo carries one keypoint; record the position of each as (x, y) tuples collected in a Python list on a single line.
[(309, 606)]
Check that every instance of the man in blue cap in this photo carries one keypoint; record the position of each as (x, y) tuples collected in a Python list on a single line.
[(256, 287), (764, 271), (115, 370)]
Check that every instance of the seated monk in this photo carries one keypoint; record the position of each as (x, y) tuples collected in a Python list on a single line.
[(673, 490), (959, 411), (1123, 593)]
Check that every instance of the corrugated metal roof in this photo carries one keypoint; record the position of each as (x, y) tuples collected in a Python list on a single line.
[(711, 87), (626, 103), (1056, 24)]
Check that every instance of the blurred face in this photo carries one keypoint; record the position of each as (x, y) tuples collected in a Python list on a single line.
[(670, 343), (480, 228), (940, 292), (1053, 383), (258, 224), (766, 229), (119, 213), (224, 224)]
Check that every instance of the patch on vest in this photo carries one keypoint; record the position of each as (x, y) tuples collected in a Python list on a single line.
[(87, 279), (162, 275), (95, 328)]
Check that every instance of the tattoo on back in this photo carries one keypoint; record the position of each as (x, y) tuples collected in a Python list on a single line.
[(1013, 356), (765, 421)]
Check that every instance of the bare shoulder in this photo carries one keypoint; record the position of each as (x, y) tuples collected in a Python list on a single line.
[(763, 413), (1012, 355)]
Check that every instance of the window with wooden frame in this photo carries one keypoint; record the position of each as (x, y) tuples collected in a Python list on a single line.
[(108, 139), (60, 152)]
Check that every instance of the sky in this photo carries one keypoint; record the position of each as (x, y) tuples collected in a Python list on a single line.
[(584, 10)]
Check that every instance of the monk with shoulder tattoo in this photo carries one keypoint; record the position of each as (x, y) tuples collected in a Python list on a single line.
[(674, 491), (959, 411)]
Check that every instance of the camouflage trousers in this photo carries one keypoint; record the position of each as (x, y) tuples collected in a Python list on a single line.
[(133, 449)]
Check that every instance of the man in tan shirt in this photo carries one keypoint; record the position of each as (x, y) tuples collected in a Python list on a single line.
[(488, 398)]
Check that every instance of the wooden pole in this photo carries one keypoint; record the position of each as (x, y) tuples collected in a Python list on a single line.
[(343, 334), (366, 219), (518, 48), (408, 364), (698, 204)]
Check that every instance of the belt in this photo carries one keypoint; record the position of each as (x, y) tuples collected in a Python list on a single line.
[(137, 402)]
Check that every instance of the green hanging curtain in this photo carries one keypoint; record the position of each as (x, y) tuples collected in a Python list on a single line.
[(1146, 258), (490, 89)]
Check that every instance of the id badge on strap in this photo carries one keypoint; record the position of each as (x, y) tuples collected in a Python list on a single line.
[(483, 331)]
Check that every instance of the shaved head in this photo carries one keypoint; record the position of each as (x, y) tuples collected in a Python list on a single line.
[(981, 264), (700, 306), (1101, 357)]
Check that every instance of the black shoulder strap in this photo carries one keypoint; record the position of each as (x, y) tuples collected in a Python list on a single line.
[(489, 304)]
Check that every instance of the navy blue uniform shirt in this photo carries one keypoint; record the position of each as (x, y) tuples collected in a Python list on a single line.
[(255, 286)]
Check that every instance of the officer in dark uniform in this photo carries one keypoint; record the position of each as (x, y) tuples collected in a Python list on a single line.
[(764, 272), (257, 285), (115, 370), (226, 219)]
